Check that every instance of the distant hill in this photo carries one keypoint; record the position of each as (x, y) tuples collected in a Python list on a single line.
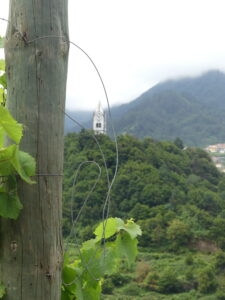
[(83, 117), (191, 108)]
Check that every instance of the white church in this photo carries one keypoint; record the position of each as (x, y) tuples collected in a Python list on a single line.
[(99, 120)]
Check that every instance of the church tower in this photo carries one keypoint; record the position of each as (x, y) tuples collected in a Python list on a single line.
[(99, 120)]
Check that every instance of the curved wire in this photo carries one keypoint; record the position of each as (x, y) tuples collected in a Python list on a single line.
[(106, 206)]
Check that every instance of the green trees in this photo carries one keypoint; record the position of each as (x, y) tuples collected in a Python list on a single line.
[(178, 233), (179, 207), (207, 282), (167, 189)]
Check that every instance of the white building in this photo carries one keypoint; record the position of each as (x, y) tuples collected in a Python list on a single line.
[(99, 120)]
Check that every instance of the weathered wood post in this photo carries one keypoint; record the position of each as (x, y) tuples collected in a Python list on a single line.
[(31, 247)]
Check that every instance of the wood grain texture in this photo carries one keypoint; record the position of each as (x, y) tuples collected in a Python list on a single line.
[(31, 247)]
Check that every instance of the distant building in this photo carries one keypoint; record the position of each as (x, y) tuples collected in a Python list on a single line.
[(99, 120), (218, 148)]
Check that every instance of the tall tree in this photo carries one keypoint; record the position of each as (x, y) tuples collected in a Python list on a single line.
[(31, 247)]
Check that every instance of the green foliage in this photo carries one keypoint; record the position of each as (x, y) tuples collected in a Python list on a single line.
[(2, 290), (220, 261), (179, 233), (132, 289), (157, 183), (179, 143), (189, 259), (217, 230), (107, 286), (152, 281), (220, 295), (119, 279), (207, 281), (12, 161), (10, 126), (176, 196), (83, 278), (169, 282), (108, 228)]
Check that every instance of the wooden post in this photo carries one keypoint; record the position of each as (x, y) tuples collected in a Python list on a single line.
[(31, 247)]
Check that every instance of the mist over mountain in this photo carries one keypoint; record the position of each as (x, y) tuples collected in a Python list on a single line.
[(191, 108), (82, 117)]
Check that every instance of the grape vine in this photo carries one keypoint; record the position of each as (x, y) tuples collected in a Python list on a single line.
[(14, 163), (114, 240), (83, 278)]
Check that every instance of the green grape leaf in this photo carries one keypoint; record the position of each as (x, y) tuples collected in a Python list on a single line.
[(79, 291), (1, 95), (89, 244), (10, 185), (24, 164), (6, 156), (105, 258), (90, 293), (28, 163), (2, 63), (64, 294), (126, 247), (110, 227), (10, 205), (109, 259), (69, 276), (12, 159), (90, 263), (2, 291), (3, 81), (133, 229), (13, 129), (98, 259), (71, 283)]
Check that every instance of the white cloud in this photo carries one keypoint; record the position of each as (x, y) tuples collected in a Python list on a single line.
[(136, 43)]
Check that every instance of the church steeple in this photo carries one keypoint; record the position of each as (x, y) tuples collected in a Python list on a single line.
[(99, 120)]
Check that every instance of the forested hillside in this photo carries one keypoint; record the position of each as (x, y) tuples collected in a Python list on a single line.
[(178, 198), (190, 108)]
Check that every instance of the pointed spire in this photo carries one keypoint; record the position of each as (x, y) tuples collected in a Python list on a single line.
[(99, 108), (99, 120)]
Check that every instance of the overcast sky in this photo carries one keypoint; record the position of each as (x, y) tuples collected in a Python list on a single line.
[(137, 43)]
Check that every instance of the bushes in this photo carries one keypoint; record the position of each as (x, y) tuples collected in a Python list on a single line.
[(119, 279), (169, 283), (178, 233), (189, 259), (152, 281), (170, 276), (220, 295), (220, 261), (132, 289), (107, 286), (114, 281), (207, 281)]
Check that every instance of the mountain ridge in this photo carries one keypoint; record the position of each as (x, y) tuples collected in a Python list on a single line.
[(191, 108)]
